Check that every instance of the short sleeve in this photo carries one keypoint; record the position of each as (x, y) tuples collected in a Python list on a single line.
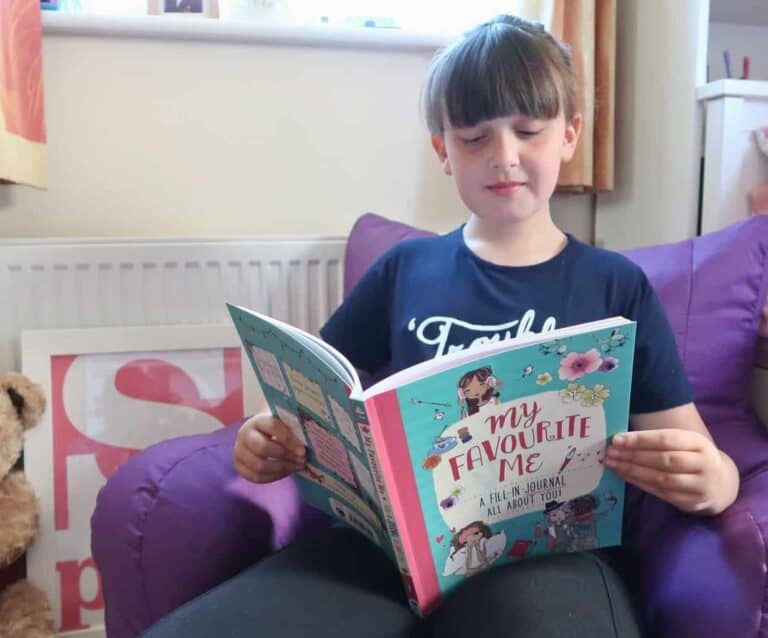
[(659, 381), (359, 328)]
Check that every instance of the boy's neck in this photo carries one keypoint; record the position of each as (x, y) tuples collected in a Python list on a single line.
[(523, 243)]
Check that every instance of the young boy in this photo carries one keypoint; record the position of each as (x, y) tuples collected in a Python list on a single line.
[(502, 110)]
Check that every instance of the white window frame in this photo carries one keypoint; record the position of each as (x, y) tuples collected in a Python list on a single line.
[(213, 30), (334, 34)]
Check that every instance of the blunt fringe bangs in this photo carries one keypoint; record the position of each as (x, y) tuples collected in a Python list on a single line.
[(507, 66)]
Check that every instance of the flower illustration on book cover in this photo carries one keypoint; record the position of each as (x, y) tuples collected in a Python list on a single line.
[(474, 548), (609, 364), (557, 347), (543, 378), (571, 392), (586, 397), (595, 395), (528, 370), (578, 364), (615, 340), (450, 501)]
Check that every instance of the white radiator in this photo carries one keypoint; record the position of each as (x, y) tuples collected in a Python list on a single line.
[(84, 283)]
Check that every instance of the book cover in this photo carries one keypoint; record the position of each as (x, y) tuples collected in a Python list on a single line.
[(308, 388), (478, 458), (500, 458)]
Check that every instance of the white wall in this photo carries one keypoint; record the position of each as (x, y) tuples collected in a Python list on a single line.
[(739, 40), (153, 137), (661, 59)]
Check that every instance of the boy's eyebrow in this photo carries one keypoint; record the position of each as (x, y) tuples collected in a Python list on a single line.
[(517, 117), (451, 127)]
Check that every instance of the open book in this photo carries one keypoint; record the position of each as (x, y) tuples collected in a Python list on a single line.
[(471, 460)]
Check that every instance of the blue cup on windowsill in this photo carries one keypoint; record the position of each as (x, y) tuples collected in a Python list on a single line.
[(50, 5)]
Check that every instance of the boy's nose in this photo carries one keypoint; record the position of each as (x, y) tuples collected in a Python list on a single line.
[(504, 152)]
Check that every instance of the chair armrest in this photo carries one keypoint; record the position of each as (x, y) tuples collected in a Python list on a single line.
[(699, 576), (176, 520), (759, 387)]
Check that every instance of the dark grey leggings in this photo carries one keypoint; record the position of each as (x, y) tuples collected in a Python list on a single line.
[(336, 583)]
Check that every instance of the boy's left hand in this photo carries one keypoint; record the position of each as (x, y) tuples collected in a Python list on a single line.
[(682, 467)]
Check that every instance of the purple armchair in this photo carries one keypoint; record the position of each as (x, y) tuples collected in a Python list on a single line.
[(175, 520)]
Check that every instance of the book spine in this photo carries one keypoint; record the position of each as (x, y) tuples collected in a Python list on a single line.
[(364, 425), (405, 514)]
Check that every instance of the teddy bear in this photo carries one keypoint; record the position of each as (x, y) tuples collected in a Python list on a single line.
[(758, 196), (25, 611)]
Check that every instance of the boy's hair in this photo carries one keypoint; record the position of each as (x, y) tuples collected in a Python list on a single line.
[(505, 66)]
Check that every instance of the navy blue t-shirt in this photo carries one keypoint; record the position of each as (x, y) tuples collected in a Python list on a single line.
[(430, 296)]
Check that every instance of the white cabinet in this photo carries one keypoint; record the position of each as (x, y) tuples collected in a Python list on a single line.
[(733, 165)]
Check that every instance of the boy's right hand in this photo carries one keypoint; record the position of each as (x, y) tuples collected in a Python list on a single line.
[(266, 450)]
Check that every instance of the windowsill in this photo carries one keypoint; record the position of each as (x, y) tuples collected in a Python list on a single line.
[(164, 27)]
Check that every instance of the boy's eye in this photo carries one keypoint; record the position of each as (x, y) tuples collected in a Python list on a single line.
[(528, 132), (473, 140)]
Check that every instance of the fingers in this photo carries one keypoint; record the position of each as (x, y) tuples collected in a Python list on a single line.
[(258, 470), (686, 501), (679, 466), (663, 460), (259, 444), (653, 478), (686, 491), (280, 432), (663, 439), (266, 450), (266, 436)]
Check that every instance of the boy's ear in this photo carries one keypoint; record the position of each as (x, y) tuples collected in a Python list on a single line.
[(438, 143), (571, 139)]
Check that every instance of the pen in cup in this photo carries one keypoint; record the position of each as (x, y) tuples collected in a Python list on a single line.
[(727, 61)]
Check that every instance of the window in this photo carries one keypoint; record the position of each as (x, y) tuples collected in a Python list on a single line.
[(422, 16)]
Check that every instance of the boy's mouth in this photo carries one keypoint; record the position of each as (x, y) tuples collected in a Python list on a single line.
[(505, 188)]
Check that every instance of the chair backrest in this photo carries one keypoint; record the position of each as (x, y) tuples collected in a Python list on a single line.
[(713, 289)]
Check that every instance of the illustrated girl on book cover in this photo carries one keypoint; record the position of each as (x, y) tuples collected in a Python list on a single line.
[(559, 531), (585, 517), (475, 547), (478, 390)]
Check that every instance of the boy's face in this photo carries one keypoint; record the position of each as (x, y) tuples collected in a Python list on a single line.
[(506, 168)]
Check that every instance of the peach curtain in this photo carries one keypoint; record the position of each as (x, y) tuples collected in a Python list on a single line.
[(22, 121), (589, 28)]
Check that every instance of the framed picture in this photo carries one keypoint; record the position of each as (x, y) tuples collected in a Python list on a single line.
[(183, 6), (110, 393), (206, 8)]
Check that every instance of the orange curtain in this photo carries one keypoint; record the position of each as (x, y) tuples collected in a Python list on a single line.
[(22, 120), (589, 28)]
